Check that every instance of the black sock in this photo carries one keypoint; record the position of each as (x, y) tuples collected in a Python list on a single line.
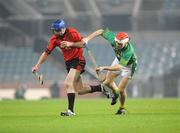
[(71, 99), (96, 88)]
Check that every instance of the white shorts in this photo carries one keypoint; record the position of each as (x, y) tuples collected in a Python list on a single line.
[(125, 72)]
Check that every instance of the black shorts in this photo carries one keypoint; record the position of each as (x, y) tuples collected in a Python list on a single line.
[(76, 63)]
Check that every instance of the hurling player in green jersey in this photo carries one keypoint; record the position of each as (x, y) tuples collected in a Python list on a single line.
[(124, 64)]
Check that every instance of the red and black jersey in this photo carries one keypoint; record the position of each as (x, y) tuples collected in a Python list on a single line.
[(71, 35)]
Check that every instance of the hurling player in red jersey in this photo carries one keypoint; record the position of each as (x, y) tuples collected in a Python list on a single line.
[(71, 44)]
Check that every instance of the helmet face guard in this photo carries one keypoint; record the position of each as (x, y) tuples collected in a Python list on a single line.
[(58, 27)]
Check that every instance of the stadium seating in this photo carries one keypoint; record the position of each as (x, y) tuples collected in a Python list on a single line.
[(154, 59), (16, 64), (172, 4)]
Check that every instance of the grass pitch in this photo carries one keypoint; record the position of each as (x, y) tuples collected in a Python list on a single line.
[(93, 116)]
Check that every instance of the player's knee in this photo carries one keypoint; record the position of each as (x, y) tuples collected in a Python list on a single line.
[(69, 88), (106, 82), (68, 84), (122, 91)]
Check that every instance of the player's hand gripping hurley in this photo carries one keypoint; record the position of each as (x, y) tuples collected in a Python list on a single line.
[(39, 77)]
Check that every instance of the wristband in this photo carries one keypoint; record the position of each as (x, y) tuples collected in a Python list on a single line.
[(85, 40)]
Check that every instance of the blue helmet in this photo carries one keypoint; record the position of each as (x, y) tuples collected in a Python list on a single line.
[(58, 25)]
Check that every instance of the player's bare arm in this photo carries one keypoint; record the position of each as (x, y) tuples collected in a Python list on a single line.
[(79, 44), (93, 35), (110, 68), (41, 60)]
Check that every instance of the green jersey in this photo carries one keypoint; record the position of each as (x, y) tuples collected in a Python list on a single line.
[(126, 56)]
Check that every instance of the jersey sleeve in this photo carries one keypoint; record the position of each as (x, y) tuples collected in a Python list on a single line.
[(74, 36), (50, 46), (125, 59), (108, 35)]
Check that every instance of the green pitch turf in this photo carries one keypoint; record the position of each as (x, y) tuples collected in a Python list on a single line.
[(93, 116)]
